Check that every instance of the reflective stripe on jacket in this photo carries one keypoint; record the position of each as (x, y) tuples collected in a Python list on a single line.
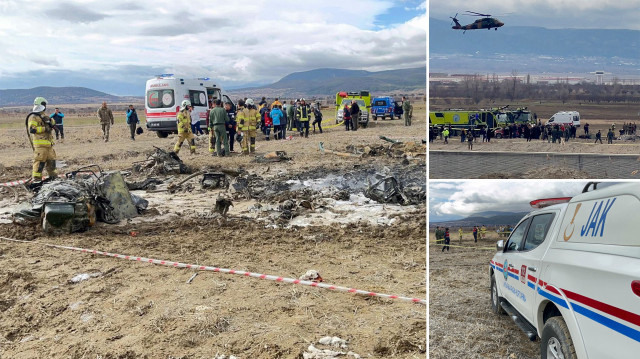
[(42, 137), (248, 119), (184, 121), (304, 113)]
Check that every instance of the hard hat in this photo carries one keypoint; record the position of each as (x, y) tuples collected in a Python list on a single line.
[(249, 102), (39, 104), (186, 103)]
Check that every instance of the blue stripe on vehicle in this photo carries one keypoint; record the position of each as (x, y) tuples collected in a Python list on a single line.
[(531, 285), (513, 276), (607, 322), (561, 302)]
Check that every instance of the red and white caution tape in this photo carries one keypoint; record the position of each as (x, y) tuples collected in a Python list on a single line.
[(15, 183), (228, 271)]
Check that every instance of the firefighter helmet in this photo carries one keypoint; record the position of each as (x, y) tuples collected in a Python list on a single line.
[(249, 102), (186, 103), (39, 104)]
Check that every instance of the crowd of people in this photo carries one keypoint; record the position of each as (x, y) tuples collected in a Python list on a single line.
[(558, 133), (226, 124)]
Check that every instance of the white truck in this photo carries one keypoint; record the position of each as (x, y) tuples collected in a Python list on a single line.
[(569, 274), (565, 118), (165, 93)]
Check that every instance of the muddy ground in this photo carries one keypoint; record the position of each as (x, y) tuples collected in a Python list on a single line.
[(134, 310), (461, 323)]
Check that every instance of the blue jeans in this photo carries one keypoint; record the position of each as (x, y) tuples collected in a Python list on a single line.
[(195, 128)]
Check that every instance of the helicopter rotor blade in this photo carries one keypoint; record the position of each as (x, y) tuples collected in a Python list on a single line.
[(477, 14)]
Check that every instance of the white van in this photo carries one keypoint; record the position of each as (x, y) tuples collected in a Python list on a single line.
[(565, 118), (570, 274), (165, 93)]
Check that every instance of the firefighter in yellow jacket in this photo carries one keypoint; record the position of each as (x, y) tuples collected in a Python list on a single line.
[(248, 119), (41, 127), (184, 128)]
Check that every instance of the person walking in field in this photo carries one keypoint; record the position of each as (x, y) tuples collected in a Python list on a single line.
[(445, 134), (184, 128), (447, 240), (57, 116), (460, 235), (483, 232), (470, 139), (132, 121), (475, 234), (406, 111), (106, 120), (598, 137)]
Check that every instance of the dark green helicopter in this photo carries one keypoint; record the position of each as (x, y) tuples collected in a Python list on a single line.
[(487, 22)]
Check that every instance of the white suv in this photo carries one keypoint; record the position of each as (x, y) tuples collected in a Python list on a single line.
[(570, 274)]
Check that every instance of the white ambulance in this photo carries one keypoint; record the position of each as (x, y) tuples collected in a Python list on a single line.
[(165, 93), (565, 118), (570, 274)]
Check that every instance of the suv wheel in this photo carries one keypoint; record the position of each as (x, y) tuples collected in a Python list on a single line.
[(495, 299), (556, 341), (162, 134)]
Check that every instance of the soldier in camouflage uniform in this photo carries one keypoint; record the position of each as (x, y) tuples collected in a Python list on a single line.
[(106, 120)]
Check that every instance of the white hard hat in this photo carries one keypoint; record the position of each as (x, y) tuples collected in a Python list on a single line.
[(249, 102), (186, 103)]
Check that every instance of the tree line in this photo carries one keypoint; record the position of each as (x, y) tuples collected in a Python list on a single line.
[(476, 88)]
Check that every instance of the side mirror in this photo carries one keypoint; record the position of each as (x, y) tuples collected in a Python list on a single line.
[(500, 245)]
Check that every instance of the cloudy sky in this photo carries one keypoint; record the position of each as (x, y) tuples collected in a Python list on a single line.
[(115, 46), (555, 14), (460, 199)]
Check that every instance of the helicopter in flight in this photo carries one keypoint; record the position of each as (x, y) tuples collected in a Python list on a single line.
[(486, 22)]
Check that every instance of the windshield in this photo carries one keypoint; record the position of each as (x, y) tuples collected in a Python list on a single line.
[(347, 101), (380, 103)]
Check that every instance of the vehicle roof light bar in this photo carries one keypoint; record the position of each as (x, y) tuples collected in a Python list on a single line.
[(546, 202)]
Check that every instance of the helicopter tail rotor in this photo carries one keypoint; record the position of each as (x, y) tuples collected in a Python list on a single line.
[(455, 20)]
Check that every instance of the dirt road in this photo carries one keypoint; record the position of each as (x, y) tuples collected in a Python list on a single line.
[(128, 309)]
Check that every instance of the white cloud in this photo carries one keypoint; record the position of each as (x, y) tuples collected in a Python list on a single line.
[(246, 41), (606, 14), (465, 198)]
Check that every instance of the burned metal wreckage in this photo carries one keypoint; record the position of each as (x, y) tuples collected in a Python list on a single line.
[(89, 195), (76, 202)]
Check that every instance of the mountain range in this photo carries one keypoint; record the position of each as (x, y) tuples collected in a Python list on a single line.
[(489, 218), (533, 49), (326, 82), (60, 95), (319, 82)]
